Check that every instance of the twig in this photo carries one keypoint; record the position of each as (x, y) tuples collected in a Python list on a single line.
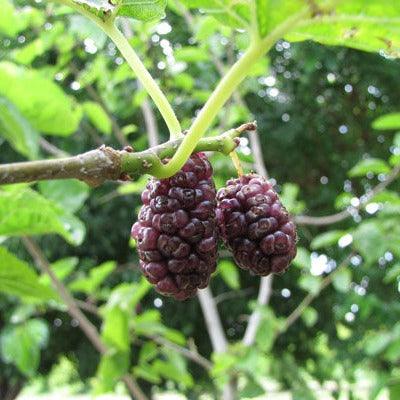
[(189, 354), (342, 215), (298, 311), (85, 325), (105, 163)]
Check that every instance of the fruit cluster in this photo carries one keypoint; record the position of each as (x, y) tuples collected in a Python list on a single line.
[(255, 226), (177, 232)]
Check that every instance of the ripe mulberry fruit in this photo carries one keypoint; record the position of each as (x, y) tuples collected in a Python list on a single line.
[(255, 226), (176, 231)]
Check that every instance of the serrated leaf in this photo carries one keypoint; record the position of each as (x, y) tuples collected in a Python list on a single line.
[(387, 121), (19, 279), (365, 25), (17, 130), (21, 345), (229, 273), (26, 212), (44, 105), (143, 10), (326, 239), (98, 117), (374, 165)]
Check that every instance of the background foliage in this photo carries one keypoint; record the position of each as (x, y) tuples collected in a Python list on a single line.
[(328, 120)]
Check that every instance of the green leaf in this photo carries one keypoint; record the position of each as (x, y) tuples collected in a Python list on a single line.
[(290, 192), (42, 102), (251, 389), (229, 273), (387, 121), (392, 274), (148, 373), (270, 13), (136, 187), (148, 352), (10, 23), (127, 295), (369, 239), (377, 342), (35, 48), (342, 280), (142, 10), (17, 278), (310, 283), (191, 54), (61, 268), (111, 368), (374, 165), (394, 391), (174, 368), (89, 284), (310, 316), (26, 212), (71, 194), (21, 344), (365, 25), (83, 28), (99, 8), (303, 259), (115, 329), (229, 12), (98, 117), (17, 130), (326, 239)]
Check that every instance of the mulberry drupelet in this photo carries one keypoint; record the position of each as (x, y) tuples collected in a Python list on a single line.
[(255, 226), (176, 230)]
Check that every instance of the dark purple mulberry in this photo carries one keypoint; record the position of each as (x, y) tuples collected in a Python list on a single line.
[(255, 226), (176, 231)]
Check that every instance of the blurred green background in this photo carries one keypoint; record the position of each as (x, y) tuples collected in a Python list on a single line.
[(64, 89)]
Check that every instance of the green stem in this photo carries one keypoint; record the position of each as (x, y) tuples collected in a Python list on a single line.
[(137, 66), (224, 91)]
